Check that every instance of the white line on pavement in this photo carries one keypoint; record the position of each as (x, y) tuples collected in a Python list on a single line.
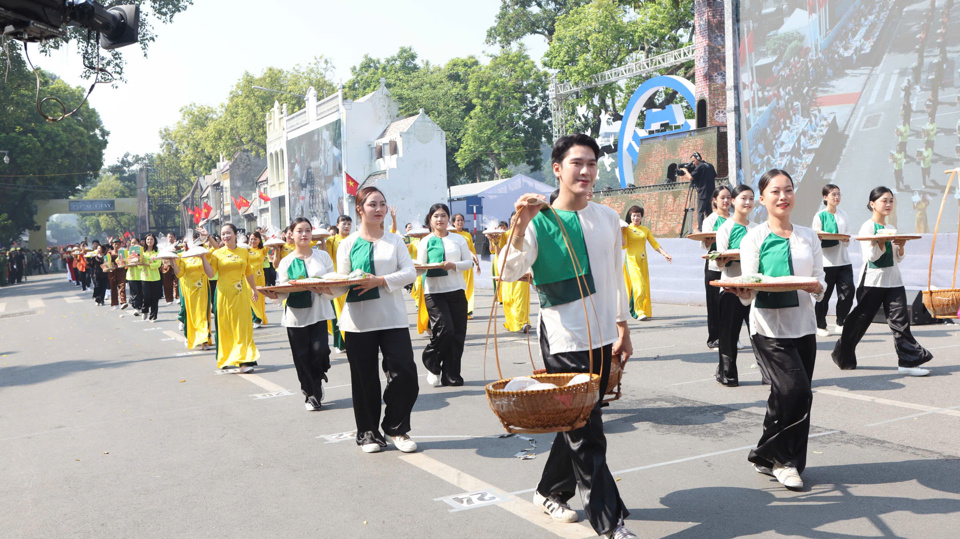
[(890, 88), (876, 89), (687, 459), (261, 381), (73, 299), (35, 303), (912, 416), (521, 508), (3, 307), (888, 402)]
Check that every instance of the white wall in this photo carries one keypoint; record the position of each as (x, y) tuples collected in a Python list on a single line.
[(420, 179)]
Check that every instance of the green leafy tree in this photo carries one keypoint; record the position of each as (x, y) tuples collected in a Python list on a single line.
[(47, 159), (397, 70), (105, 225), (518, 19), (508, 123)]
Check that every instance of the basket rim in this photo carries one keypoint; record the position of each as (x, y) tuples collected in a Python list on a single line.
[(594, 378)]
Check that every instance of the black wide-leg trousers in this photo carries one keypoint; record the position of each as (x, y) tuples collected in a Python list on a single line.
[(786, 426), (869, 301), (402, 387), (448, 324), (713, 304), (136, 294), (578, 458), (311, 357), (733, 314), (151, 292), (841, 278)]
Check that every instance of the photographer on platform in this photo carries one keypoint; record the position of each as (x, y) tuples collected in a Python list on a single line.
[(702, 178)]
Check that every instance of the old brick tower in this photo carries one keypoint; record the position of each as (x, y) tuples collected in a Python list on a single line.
[(710, 63)]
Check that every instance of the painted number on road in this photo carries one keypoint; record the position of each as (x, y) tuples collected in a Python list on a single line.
[(471, 500), (340, 437), (271, 395)]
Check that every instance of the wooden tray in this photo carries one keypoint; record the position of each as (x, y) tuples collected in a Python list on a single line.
[(889, 238), (766, 287), (345, 282), (830, 236), (702, 236), (424, 267), (286, 288)]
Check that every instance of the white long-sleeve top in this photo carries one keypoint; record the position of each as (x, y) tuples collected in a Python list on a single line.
[(878, 277), (837, 255), (391, 261), (455, 250), (566, 325), (709, 225), (318, 265), (789, 322), (732, 269)]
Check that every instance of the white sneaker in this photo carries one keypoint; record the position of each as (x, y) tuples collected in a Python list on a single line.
[(556, 509), (371, 447), (256, 325), (838, 330), (740, 346), (403, 443), (154, 321), (180, 326), (643, 317), (433, 379), (913, 371), (788, 477), (312, 404), (822, 333), (246, 369), (764, 470), (621, 533)]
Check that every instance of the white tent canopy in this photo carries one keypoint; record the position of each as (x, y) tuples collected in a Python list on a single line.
[(497, 196)]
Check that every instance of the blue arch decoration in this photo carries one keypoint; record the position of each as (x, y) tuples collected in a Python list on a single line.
[(626, 151)]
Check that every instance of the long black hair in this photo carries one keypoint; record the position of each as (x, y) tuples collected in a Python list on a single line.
[(433, 209)]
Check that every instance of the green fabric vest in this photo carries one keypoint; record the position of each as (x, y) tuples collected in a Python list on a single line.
[(298, 300), (436, 254), (361, 258), (828, 223), (716, 227), (886, 259), (553, 271), (775, 261), (737, 233)]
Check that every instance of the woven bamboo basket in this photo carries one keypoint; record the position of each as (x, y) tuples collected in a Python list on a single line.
[(612, 392), (562, 409), (945, 302)]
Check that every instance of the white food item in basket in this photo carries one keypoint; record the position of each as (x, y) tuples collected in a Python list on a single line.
[(540, 387), (194, 251), (167, 255), (579, 379), (274, 242), (335, 277), (519, 383), (886, 232)]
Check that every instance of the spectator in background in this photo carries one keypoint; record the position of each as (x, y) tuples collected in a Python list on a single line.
[(703, 179)]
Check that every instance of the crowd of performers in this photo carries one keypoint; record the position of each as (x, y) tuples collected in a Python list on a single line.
[(584, 307)]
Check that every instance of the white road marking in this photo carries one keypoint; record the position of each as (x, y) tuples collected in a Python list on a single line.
[(890, 88), (262, 382), (888, 402), (35, 303), (72, 299), (3, 307), (876, 89), (912, 416), (521, 508)]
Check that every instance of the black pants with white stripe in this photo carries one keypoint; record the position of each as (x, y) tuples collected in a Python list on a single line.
[(786, 426), (713, 304), (869, 301), (311, 357), (578, 458), (841, 278)]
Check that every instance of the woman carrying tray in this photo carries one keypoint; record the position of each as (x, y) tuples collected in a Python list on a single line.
[(257, 254), (635, 238), (305, 313), (135, 275), (101, 279), (235, 346), (444, 297), (881, 286), (711, 271), (578, 457), (458, 222), (784, 327), (152, 288), (836, 260), (733, 313), (195, 297), (374, 320)]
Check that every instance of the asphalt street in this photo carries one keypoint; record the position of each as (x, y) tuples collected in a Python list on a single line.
[(110, 428)]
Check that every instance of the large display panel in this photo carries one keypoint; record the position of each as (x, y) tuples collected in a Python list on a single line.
[(315, 166), (858, 93)]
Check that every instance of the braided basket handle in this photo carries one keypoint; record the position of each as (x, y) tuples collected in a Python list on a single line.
[(936, 229), (577, 269)]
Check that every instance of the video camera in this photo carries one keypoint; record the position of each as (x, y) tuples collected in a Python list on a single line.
[(34, 21)]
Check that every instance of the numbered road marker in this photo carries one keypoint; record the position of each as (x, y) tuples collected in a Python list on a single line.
[(340, 437), (283, 393), (472, 500)]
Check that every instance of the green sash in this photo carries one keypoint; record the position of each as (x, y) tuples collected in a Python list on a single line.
[(298, 300), (361, 258), (737, 233), (828, 224), (435, 255), (886, 259), (775, 261), (553, 271), (716, 226)]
